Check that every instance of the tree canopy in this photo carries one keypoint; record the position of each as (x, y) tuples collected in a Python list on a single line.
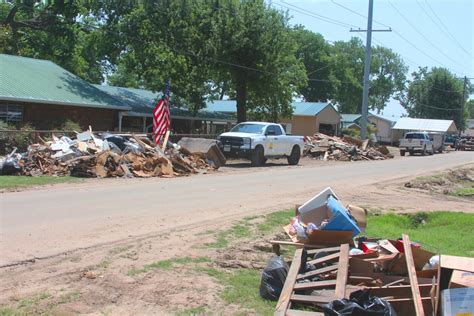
[(243, 49), (436, 94), (387, 75)]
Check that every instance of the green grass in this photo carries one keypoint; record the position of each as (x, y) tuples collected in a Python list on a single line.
[(167, 264), (245, 229), (447, 233), (25, 306), (241, 287), (464, 192), (274, 221), (12, 182), (199, 310), (7, 311)]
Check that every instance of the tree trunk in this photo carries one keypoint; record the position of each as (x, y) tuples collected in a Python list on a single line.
[(241, 90)]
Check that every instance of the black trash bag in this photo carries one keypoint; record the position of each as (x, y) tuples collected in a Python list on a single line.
[(273, 278), (10, 166), (321, 254), (115, 148), (117, 140), (360, 303)]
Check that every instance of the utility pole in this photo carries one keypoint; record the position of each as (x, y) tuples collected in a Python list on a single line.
[(463, 100), (368, 52)]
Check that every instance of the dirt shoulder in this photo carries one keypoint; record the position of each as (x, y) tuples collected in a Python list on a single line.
[(195, 268)]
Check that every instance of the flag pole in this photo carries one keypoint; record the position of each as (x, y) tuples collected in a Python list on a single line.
[(165, 141)]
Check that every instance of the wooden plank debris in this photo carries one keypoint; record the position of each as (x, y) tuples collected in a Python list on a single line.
[(342, 271), (287, 290), (327, 147), (412, 275)]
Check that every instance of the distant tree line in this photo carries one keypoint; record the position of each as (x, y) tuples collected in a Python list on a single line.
[(244, 49)]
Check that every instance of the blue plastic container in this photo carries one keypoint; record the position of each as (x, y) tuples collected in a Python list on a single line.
[(340, 219)]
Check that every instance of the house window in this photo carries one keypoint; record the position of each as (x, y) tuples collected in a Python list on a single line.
[(11, 113)]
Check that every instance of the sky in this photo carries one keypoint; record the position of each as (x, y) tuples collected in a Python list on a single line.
[(433, 33)]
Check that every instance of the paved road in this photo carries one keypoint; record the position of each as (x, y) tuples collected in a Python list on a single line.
[(47, 221)]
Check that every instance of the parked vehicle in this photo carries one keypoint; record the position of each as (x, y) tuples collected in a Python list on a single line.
[(421, 142), (258, 141), (450, 140)]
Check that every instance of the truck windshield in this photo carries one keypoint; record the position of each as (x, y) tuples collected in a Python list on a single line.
[(414, 136), (248, 128)]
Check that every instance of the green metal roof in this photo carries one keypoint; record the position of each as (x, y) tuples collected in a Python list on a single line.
[(309, 108), (299, 108), (142, 102), (350, 118), (25, 79)]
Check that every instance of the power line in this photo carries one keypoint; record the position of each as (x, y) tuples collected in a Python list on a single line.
[(418, 49), (319, 69), (438, 108), (434, 22), (357, 13), (190, 53), (314, 15), (397, 33), (421, 34), (447, 30)]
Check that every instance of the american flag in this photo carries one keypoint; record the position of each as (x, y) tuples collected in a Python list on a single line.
[(161, 116)]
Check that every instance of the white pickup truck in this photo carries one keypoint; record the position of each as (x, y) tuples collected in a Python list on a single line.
[(259, 141), (421, 142)]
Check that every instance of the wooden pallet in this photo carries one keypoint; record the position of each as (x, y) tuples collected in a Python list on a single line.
[(338, 264), (409, 295)]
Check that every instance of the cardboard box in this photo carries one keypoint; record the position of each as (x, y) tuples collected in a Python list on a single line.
[(323, 237), (457, 302), (461, 279), (327, 206)]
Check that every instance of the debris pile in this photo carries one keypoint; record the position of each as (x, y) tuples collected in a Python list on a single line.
[(105, 155), (345, 149), (332, 271)]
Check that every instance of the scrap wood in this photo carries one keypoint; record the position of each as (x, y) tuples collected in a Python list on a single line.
[(412, 276), (342, 271), (92, 156), (324, 285), (284, 300), (345, 149)]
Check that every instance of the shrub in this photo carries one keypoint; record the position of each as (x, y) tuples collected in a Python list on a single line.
[(20, 139), (69, 125)]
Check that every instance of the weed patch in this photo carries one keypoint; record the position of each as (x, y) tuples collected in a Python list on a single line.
[(167, 264), (464, 192), (241, 288)]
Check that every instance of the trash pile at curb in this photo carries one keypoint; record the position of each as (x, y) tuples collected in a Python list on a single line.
[(334, 272), (344, 149), (108, 155)]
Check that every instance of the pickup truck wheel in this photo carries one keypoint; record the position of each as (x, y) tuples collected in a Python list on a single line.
[(402, 153), (295, 155), (257, 158)]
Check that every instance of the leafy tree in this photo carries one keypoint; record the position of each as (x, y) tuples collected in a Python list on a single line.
[(316, 56), (387, 75), (436, 94), (470, 107), (256, 54), (48, 30), (168, 40)]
